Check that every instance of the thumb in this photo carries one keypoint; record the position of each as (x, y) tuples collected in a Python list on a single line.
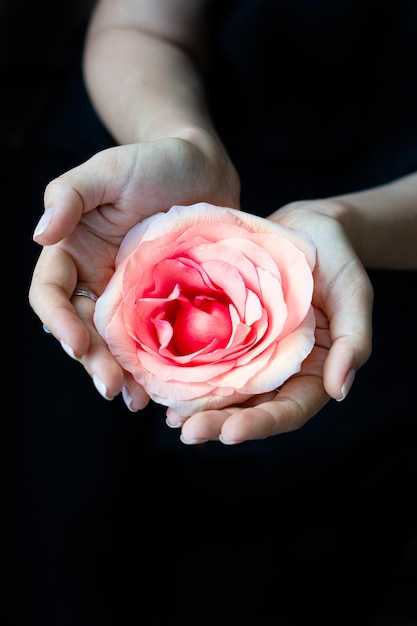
[(69, 196), (63, 210)]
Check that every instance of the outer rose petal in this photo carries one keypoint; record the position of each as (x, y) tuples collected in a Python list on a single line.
[(262, 268)]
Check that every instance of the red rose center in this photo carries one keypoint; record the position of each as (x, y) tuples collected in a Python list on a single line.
[(200, 322)]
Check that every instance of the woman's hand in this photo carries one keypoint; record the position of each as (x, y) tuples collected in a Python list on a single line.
[(342, 299), (88, 211)]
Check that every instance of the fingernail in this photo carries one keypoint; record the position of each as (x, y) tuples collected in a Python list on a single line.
[(128, 400), (68, 350), (174, 420), (43, 223), (225, 442), (347, 384), (101, 387), (168, 423), (192, 442)]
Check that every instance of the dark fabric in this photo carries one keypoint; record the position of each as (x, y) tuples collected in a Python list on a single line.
[(122, 525), (315, 98)]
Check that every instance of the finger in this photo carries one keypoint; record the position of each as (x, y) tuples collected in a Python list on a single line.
[(134, 396), (350, 316), (106, 373), (204, 426), (279, 412), (53, 282), (295, 404), (64, 207), (71, 195), (70, 318)]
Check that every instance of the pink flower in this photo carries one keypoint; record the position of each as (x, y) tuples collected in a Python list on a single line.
[(209, 306)]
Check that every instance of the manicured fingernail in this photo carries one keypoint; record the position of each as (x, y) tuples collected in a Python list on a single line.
[(43, 223), (347, 384), (101, 387), (68, 350), (128, 400), (174, 420), (171, 425), (192, 442), (225, 442)]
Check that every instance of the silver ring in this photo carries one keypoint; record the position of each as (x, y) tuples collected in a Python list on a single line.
[(77, 292), (86, 293)]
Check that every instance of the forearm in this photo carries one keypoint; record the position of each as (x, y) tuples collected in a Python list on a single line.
[(141, 71), (382, 224)]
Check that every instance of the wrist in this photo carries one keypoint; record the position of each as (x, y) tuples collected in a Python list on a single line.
[(213, 152)]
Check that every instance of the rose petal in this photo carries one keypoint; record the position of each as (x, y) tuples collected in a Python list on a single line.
[(209, 305)]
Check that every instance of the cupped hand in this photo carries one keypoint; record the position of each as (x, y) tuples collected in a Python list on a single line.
[(88, 211), (343, 300)]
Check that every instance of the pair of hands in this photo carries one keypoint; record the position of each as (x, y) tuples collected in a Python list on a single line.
[(88, 211)]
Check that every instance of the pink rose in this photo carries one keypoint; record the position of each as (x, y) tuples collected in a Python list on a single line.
[(209, 306)]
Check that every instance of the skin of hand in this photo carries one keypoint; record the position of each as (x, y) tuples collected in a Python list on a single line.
[(169, 154), (89, 210), (343, 340)]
